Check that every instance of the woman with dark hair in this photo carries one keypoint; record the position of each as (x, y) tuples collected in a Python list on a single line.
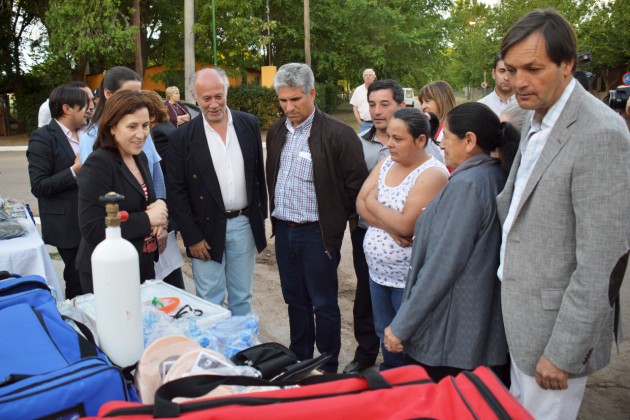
[(391, 199), (450, 318), (433, 148), (119, 164), (160, 124), (115, 79)]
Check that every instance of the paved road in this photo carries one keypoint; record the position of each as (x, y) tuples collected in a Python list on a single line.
[(608, 391)]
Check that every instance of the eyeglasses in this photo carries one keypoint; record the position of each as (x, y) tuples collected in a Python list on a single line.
[(185, 310)]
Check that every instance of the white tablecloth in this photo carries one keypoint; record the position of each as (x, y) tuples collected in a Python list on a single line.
[(27, 255)]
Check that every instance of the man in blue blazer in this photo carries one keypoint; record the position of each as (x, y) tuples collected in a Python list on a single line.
[(217, 195), (53, 165)]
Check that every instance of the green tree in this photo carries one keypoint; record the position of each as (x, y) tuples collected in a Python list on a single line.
[(17, 18), (241, 34), (83, 31), (401, 39), (606, 36), (474, 44)]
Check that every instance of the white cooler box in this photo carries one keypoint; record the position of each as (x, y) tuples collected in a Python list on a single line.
[(157, 288)]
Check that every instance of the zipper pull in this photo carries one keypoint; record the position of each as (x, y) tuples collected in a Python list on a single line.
[(13, 378)]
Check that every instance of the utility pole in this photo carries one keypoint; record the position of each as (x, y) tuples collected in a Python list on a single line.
[(307, 33), (214, 34), (136, 22), (189, 46), (269, 36)]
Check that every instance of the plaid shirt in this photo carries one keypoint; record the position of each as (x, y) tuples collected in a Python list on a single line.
[(295, 198)]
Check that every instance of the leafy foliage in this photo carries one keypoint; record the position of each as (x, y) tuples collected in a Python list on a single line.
[(412, 41), (606, 36), (257, 100), (80, 30)]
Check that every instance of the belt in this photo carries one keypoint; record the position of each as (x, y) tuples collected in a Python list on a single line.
[(231, 214), (295, 225)]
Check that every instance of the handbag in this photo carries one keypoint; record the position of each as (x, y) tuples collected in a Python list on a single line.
[(276, 362)]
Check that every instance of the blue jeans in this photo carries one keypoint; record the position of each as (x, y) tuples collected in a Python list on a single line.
[(365, 125), (308, 278), (235, 273), (385, 304)]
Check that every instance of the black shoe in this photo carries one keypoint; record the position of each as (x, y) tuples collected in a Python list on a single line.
[(356, 366)]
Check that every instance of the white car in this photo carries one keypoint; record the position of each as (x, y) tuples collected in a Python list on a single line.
[(409, 97)]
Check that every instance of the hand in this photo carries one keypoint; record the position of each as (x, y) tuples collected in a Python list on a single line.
[(162, 239), (393, 344), (200, 250), (158, 203), (158, 215), (548, 376), (401, 241), (76, 167), (182, 119)]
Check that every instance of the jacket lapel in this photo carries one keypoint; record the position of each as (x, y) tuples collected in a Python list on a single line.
[(560, 134), (244, 136), (61, 138), (128, 176), (201, 155)]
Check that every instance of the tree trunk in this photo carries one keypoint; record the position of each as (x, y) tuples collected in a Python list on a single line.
[(136, 22), (307, 33)]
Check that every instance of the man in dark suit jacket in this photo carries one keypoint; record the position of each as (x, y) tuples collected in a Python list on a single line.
[(53, 165), (216, 193)]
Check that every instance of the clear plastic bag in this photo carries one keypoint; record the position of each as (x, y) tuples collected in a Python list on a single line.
[(9, 228)]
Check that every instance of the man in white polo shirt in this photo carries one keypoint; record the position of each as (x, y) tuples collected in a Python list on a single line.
[(359, 101), (502, 95)]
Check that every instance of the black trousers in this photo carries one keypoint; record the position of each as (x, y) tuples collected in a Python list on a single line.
[(147, 272), (175, 278), (368, 342), (70, 273), (437, 373)]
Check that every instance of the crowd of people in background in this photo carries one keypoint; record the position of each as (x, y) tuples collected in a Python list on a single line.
[(491, 233)]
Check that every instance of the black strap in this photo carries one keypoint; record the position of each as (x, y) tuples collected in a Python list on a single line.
[(87, 344), (197, 386), (6, 275), (487, 395)]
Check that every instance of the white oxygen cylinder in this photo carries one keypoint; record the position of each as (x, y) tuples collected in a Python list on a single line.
[(116, 279)]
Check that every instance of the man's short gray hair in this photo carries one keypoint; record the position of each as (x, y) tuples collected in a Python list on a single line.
[(294, 75), (369, 71), (222, 75)]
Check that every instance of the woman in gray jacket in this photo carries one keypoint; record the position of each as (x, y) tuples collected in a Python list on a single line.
[(450, 318)]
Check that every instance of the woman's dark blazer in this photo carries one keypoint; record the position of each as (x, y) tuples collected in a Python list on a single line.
[(160, 134), (102, 172)]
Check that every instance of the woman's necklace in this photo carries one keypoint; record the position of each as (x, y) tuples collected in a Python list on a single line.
[(132, 168)]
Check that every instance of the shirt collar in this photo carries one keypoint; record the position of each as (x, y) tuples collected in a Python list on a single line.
[(67, 132), (306, 124), (508, 101), (369, 134), (207, 125)]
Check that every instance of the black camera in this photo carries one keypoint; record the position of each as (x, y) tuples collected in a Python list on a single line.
[(618, 98), (585, 58)]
